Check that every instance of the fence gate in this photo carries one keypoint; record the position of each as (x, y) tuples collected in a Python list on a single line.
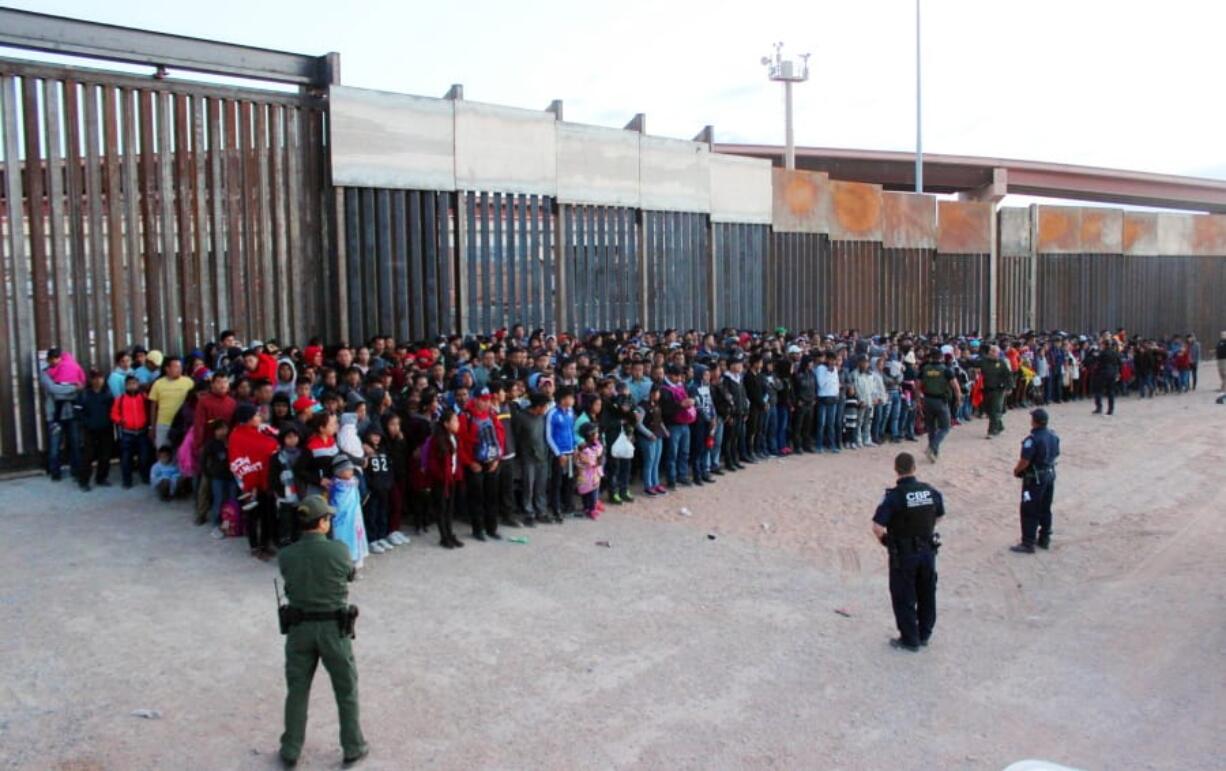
[(138, 209)]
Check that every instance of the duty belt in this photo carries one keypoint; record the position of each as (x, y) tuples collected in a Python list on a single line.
[(345, 618)]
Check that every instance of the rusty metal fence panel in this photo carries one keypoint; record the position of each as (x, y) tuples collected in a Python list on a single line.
[(960, 289), (1013, 292), (906, 289), (799, 276), (740, 252), (399, 261), (676, 253), (148, 211), (601, 258)]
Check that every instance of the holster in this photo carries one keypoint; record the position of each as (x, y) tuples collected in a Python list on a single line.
[(345, 618)]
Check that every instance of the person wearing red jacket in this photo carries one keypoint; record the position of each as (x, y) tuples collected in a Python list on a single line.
[(217, 404), (260, 366), (130, 414), (250, 450), (444, 475), (482, 442)]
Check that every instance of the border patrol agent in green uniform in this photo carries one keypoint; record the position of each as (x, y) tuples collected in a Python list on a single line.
[(318, 624), (997, 380)]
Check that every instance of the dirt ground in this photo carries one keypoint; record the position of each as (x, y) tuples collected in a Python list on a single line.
[(668, 650)]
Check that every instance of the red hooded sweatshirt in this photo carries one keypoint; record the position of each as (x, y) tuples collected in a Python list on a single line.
[(250, 451)]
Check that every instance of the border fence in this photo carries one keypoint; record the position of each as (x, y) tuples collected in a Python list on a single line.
[(159, 211)]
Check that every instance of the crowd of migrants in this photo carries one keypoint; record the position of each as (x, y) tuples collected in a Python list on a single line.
[(518, 429)]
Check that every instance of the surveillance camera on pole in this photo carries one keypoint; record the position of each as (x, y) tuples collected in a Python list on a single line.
[(788, 72)]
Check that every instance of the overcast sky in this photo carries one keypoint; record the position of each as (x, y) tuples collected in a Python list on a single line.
[(1127, 84)]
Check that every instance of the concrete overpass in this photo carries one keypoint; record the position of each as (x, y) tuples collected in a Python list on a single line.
[(990, 179)]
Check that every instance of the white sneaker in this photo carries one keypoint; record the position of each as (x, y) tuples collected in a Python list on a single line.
[(870, 444), (399, 538), (386, 544), (376, 548), (218, 534)]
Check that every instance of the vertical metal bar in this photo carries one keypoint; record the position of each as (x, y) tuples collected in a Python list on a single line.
[(446, 261), (421, 324), (494, 280), (350, 260), (435, 316), (382, 273), (510, 256), (249, 191), (298, 200), (471, 287), (484, 296), (284, 273), (62, 328), (577, 284), (114, 217), (400, 270), (99, 307), (236, 244), (169, 273), (364, 292), (129, 181), (264, 243), (187, 285), (524, 309), (35, 187), (148, 212), (552, 265), (18, 315), (536, 281)]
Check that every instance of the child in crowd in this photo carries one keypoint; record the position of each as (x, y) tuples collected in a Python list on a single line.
[(216, 465), (165, 478), (98, 434), (288, 484), (379, 482), (130, 414), (444, 473), (398, 456), (343, 495), (589, 460)]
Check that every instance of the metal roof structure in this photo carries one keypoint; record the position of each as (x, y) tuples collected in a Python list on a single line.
[(990, 179)]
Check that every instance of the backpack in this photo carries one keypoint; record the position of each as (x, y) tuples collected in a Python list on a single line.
[(231, 519), (487, 449)]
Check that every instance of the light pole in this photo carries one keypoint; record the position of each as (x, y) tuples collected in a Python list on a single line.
[(919, 124), (787, 72)]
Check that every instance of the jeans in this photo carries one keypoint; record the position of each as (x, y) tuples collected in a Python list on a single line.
[(1185, 380), (698, 448), (894, 414), (534, 475), (133, 443), (780, 435), (224, 489), (649, 450), (840, 421), (562, 485), (881, 413), (864, 424), (677, 462), (827, 416), (713, 454), (906, 422), (62, 445)]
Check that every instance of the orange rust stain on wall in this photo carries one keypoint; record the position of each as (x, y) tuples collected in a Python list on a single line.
[(857, 206), (1137, 227), (1092, 234), (1209, 234), (964, 227), (1057, 231), (908, 220), (800, 194)]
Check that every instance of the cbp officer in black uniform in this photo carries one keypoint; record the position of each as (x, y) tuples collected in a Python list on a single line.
[(904, 525), (938, 382), (1037, 470)]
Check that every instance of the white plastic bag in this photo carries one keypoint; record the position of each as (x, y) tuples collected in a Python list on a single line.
[(623, 448)]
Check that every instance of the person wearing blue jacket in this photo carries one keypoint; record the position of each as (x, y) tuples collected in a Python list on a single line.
[(560, 436)]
